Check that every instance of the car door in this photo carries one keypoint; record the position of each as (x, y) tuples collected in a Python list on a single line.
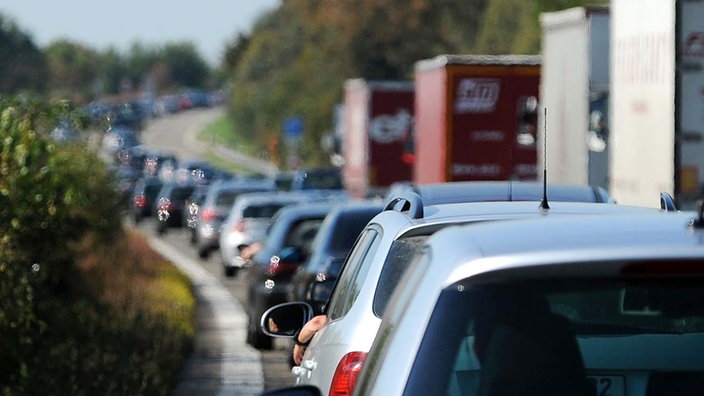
[(323, 355)]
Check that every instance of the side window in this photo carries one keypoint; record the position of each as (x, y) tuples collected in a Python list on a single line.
[(353, 273), (302, 233)]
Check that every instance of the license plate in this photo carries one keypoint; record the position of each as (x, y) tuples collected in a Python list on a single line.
[(608, 385)]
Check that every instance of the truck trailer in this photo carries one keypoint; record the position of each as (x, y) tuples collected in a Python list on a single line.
[(377, 142), (574, 89), (657, 101), (476, 118)]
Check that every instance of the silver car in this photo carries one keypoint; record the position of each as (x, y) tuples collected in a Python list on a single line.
[(381, 255), (573, 305)]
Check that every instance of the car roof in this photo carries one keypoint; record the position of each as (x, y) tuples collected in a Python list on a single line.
[(452, 192), (339, 221), (562, 239), (398, 219), (240, 185), (271, 196), (305, 209)]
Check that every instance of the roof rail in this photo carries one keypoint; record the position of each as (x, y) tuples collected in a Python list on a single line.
[(667, 203), (699, 221), (407, 201)]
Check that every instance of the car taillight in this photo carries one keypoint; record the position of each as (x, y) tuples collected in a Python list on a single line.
[(346, 373), (209, 214), (278, 267), (140, 201)]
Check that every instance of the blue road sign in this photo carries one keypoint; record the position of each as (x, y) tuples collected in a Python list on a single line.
[(293, 128)]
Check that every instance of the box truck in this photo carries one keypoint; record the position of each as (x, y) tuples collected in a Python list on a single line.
[(377, 135), (476, 118)]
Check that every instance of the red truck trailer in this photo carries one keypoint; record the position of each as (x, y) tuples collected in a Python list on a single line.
[(476, 118), (378, 122)]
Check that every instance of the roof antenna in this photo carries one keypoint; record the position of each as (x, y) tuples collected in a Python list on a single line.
[(544, 202)]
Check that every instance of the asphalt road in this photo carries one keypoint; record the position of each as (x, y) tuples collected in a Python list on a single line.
[(220, 348)]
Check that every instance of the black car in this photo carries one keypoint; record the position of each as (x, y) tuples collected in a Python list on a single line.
[(286, 246), (313, 281), (170, 203), (143, 197)]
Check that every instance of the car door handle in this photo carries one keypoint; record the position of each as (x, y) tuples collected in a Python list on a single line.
[(309, 364), (298, 371)]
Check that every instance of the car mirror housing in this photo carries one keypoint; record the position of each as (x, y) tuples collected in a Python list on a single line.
[(285, 319)]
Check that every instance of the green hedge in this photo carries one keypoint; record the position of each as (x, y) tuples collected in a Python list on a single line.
[(85, 307)]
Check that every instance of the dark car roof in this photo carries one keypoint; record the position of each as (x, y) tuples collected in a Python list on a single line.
[(344, 223), (287, 216), (339, 231), (483, 191)]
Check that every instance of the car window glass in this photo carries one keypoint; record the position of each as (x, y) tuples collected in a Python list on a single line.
[(181, 193), (402, 252), (301, 233), (152, 190), (226, 198), (261, 211), (353, 273), (334, 266), (564, 336)]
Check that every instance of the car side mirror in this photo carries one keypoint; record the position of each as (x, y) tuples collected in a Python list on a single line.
[(285, 319)]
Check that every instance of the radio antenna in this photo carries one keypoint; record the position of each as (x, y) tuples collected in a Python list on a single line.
[(544, 202)]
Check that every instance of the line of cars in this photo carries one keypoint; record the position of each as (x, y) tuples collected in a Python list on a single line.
[(233, 215), (390, 303)]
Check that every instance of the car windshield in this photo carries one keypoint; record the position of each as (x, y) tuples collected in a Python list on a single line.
[(563, 337)]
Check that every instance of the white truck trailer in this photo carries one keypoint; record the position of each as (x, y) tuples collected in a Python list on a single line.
[(657, 101), (574, 88)]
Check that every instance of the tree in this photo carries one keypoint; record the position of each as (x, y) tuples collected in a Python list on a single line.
[(298, 57), (72, 69), (22, 65), (188, 68)]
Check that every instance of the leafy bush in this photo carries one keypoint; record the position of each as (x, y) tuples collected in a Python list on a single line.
[(85, 307)]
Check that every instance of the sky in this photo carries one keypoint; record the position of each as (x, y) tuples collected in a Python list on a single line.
[(100, 24)]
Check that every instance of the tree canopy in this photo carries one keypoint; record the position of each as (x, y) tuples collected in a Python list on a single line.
[(298, 56)]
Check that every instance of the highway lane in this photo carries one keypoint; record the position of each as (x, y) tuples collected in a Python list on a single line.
[(177, 134)]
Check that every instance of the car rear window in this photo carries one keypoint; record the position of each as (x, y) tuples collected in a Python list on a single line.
[(261, 211), (181, 193), (561, 336), (226, 198)]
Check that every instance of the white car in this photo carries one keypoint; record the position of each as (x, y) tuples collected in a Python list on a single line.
[(381, 255), (571, 305)]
